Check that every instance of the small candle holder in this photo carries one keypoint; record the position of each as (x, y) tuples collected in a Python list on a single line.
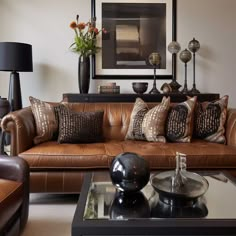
[(185, 56), (194, 46), (155, 60), (174, 48)]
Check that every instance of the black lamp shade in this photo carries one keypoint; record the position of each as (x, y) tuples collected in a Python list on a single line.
[(15, 56)]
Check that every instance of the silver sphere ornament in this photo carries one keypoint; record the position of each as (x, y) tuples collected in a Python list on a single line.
[(194, 45), (174, 47), (185, 56)]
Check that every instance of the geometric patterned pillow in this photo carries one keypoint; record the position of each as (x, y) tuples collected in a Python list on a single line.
[(45, 120), (136, 118), (210, 119), (79, 127), (148, 124), (179, 124)]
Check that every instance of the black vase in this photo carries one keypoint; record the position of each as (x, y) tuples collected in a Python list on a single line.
[(84, 74)]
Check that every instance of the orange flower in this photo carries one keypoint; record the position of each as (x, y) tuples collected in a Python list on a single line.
[(85, 37), (73, 25), (81, 26)]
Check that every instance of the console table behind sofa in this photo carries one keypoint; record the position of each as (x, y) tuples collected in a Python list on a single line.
[(124, 97)]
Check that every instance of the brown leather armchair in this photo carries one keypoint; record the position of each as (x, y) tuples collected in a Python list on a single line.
[(14, 195)]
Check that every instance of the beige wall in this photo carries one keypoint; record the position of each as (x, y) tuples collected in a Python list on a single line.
[(44, 24)]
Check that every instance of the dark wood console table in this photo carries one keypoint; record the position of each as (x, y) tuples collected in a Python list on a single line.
[(124, 97)]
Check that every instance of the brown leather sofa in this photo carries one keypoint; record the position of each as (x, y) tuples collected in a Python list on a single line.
[(60, 167), (14, 195)]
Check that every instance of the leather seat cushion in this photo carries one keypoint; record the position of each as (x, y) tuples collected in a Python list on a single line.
[(200, 154), (11, 193)]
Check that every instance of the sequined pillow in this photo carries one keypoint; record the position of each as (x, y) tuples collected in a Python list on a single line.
[(179, 125), (148, 124), (79, 127), (210, 119), (45, 120)]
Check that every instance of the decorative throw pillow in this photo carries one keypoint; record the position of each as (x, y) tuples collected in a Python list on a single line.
[(210, 119), (79, 127), (179, 125), (46, 122), (148, 124)]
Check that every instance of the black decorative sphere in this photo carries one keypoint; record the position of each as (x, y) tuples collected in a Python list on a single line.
[(129, 206), (129, 172)]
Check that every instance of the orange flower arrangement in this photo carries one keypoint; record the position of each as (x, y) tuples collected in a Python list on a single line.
[(85, 37)]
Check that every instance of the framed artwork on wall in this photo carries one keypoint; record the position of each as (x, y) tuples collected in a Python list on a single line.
[(135, 29)]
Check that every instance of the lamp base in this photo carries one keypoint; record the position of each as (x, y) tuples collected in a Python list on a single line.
[(14, 95)]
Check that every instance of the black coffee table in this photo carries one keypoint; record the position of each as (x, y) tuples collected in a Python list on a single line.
[(103, 211)]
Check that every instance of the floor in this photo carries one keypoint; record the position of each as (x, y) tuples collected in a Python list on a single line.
[(50, 215)]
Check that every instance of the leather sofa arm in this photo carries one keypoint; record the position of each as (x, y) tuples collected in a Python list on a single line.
[(17, 169), (21, 126), (231, 127)]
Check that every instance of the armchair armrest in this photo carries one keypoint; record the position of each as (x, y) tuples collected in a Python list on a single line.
[(21, 126), (14, 168), (17, 169), (231, 127)]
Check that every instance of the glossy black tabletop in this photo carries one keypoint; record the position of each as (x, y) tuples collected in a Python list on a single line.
[(101, 210), (104, 202)]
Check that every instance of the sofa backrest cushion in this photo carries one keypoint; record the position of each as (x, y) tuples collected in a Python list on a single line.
[(116, 117)]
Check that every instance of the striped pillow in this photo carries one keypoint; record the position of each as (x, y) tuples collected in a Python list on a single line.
[(148, 124)]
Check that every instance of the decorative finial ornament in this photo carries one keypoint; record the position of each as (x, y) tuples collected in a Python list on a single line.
[(185, 56), (155, 60), (174, 48), (194, 46)]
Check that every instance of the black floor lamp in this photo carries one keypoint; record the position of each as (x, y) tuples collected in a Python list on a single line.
[(15, 57)]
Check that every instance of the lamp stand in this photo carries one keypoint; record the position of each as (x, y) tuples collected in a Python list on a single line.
[(185, 89), (194, 89), (14, 95), (174, 84), (154, 89)]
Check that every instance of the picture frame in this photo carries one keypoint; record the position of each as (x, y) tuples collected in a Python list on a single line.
[(135, 29)]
